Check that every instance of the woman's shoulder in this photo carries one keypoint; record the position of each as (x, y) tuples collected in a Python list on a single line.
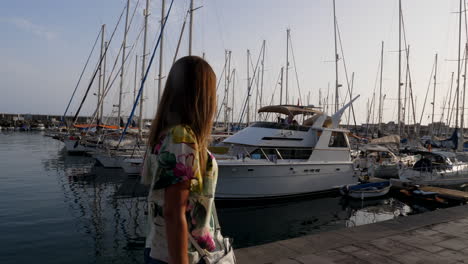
[(182, 134)]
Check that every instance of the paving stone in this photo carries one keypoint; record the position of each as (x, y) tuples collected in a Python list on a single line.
[(423, 243), (347, 249), (335, 255), (286, 261), (328, 240), (453, 255), (453, 229), (385, 247), (299, 244), (399, 237), (367, 232), (454, 244), (372, 257), (312, 258), (449, 228), (421, 257), (462, 221), (386, 243), (426, 232), (430, 239), (354, 260), (264, 253)]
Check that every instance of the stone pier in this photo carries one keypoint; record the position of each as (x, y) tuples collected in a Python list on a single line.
[(439, 236)]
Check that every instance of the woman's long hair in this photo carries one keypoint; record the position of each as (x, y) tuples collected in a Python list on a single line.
[(189, 98)]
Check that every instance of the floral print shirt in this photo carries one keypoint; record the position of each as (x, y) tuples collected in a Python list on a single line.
[(176, 159)]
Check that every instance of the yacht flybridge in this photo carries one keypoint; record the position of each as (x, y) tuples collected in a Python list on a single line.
[(284, 158)]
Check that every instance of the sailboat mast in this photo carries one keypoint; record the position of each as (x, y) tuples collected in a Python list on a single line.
[(161, 43), (328, 101), (458, 73), (233, 77), (406, 101), (281, 87), (143, 66), (462, 119), (380, 89), (122, 72), (287, 63), (459, 65), (450, 108), (98, 114), (433, 96), (263, 72), (103, 82), (190, 28), (350, 96), (248, 87), (399, 68), (135, 81), (227, 80), (336, 60)]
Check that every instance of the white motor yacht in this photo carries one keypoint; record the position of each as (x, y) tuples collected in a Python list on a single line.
[(270, 160)]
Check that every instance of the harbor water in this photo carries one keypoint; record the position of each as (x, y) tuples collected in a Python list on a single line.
[(58, 208)]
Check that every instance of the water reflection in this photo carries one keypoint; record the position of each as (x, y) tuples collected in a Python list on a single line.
[(381, 210), (115, 224), (262, 224)]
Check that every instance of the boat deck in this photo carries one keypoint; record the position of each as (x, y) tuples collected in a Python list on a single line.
[(439, 236)]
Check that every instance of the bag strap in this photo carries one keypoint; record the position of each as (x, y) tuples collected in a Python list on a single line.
[(200, 250), (217, 229), (215, 216)]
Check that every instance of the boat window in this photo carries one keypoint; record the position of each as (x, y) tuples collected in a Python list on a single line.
[(282, 138), (281, 126), (286, 153), (337, 140)]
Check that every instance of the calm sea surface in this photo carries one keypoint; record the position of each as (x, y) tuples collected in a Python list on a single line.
[(57, 208)]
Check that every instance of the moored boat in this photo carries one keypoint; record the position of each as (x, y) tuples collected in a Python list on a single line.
[(436, 168), (366, 190), (270, 160)]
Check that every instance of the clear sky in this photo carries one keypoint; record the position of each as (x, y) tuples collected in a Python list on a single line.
[(45, 45)]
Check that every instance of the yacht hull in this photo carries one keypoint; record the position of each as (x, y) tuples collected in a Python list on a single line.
[(267, 180)]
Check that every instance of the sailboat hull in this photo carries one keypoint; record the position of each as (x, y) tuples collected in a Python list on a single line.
[(108, 161), (73, 146)]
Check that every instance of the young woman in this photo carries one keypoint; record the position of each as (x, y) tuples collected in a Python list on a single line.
[(179, 169)]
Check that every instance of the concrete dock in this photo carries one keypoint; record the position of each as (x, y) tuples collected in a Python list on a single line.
[(439, 236)]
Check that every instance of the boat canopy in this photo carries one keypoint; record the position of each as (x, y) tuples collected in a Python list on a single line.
[(290, 110), (374, 148)]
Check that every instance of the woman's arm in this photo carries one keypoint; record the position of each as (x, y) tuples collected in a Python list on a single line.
[(175, 203)]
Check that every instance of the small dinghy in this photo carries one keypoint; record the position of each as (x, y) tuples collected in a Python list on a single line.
[(366, 190)]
